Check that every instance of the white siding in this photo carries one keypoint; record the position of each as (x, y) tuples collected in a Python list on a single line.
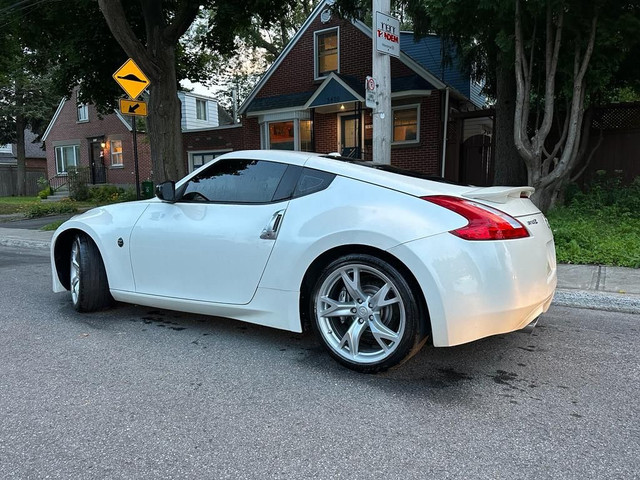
[(188, 111)]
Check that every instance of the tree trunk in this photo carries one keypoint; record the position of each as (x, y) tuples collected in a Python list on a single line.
[(508, 164), (163, 122), (21, 184)]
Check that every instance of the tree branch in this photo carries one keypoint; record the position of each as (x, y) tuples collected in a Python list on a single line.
[(521, 140), (182, 21), (551, 60), (124, 35)]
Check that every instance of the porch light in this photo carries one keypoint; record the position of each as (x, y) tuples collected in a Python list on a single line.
[(342, 107), (103, 144)]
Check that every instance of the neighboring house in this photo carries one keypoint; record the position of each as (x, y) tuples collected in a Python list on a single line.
[(78, 136), (35, 156), (199, 111), (35, 163), (313, 99)]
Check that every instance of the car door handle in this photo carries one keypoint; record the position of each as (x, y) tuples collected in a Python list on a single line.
[(270, 232)]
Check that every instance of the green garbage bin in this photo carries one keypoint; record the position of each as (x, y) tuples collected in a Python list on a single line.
[(147, 189)]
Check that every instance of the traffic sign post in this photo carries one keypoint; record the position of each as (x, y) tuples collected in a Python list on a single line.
[(133, 81), (133, 107), (370, 93)]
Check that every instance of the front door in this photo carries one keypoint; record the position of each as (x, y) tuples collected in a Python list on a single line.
[(98, 170), (350, 136)]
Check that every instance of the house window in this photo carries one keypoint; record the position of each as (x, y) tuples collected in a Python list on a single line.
[(116, 153), (83, 112), (201, 109), (406, 121), (6, 148), (327, 52), (67, 156), (281, 136), (200, 158)]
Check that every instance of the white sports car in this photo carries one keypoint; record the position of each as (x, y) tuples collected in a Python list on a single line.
[(374, 259)]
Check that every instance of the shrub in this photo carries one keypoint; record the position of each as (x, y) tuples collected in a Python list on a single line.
[(111, 194), (599, 225), (34, 210), (77, 179), (44, 193)]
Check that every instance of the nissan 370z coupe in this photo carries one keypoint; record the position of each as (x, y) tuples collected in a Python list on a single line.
[(374, 259)]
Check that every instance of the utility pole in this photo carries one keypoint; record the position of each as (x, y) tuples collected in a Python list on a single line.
[(382, 115)]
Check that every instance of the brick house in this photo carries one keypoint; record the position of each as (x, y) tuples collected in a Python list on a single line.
[(78, 136), (313, 99)]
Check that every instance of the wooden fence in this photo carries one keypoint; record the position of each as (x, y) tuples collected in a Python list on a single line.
[(619, 125), (8, 180)]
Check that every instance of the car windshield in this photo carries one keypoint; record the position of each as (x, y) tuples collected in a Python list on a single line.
[(389, 168)]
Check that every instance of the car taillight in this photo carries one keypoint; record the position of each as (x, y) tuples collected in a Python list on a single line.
[(485, 223)]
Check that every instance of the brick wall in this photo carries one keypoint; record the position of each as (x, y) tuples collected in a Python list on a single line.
[(425, 156), (295, 73)]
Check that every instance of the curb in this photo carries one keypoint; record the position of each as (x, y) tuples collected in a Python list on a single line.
[(610, 302), (18, 242)]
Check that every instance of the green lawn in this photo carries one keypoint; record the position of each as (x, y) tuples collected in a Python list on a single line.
[(15, 204)]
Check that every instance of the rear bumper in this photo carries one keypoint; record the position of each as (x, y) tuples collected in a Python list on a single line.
[(477, 289)]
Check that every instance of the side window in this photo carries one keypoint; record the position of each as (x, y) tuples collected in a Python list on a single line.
[(312, 181), (235, 181)]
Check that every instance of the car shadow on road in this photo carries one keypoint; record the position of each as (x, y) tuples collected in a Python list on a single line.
[(441, 374)]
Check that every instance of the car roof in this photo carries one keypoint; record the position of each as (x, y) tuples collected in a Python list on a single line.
[(382, 175)]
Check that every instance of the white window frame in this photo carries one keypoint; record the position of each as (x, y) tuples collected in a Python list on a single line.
[(215, 153), (6, 148), (82, 113), (119, 154), (206, 107), (316, 65), (414, 106), (66, 164)]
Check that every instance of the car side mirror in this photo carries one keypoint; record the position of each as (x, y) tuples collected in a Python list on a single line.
[(166, 191)]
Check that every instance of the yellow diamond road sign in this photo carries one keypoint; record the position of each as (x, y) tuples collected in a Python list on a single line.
[(131, 79), (133, 107)]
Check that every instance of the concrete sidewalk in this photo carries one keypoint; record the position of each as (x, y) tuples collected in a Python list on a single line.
[(585, 286)]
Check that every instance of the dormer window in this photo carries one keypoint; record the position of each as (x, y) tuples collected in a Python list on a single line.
[(327, 49), (83, 112), (201, 109)]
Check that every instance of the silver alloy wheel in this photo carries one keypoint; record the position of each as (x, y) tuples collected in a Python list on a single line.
[(75, 272), (360, 313)]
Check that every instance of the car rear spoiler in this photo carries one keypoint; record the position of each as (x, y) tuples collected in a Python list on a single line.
[(499, 194)]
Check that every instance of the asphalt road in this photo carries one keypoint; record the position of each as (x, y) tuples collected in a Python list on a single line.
[(140, 393)]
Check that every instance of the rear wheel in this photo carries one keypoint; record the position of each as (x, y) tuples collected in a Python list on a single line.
[(89, 286), (365, 313)]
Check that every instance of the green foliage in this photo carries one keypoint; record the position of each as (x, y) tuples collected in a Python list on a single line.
[(49, 227), (77, 179), (111, 194), (42, 209), (43, 193), (10, 205), (600, 225)]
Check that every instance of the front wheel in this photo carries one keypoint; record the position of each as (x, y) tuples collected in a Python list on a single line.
[(365, 313), (88, 279)]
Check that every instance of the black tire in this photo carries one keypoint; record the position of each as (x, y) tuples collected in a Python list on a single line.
[(358, 332), (88, 278)]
